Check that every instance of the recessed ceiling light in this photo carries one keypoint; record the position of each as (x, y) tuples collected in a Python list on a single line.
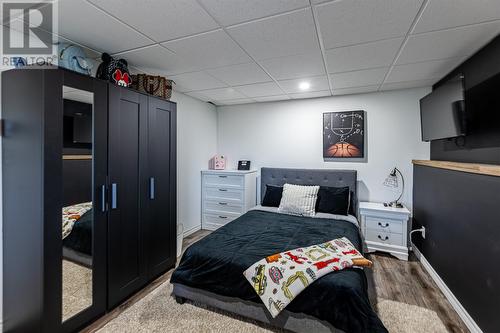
[(304, 85)]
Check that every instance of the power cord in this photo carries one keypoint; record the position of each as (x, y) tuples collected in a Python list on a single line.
[(422, 230)]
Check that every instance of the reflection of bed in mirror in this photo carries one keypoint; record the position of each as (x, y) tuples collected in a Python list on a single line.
[(77, 210)]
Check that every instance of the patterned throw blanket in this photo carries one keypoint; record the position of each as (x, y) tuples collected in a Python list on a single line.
[(279, 278), (71, 214)]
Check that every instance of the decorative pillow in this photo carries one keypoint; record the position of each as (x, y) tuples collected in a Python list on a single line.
[(333, 200), (273, 195), (299, 200)]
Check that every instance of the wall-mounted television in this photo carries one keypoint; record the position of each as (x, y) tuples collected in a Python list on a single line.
[(442, 112)]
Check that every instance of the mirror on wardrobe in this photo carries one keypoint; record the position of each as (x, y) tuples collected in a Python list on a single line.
[(77, 212)]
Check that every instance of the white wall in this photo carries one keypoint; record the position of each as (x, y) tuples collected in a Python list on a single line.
[(289, 134), (196, 144)]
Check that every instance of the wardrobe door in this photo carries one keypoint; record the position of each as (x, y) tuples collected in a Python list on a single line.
[(161, 248), (127, 139)]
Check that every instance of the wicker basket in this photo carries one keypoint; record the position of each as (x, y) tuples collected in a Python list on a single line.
[(154, 85)]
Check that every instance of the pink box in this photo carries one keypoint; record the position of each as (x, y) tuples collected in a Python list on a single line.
[(218, 162)]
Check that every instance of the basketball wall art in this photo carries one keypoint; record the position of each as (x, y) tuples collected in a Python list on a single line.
[(344, 135)]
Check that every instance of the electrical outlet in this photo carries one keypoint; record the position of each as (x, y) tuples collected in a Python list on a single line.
[(423, 232)]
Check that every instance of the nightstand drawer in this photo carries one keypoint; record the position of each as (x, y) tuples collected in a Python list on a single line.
[(383, 225), (384, 237), (222, 207), (233, 181), (224, 194)]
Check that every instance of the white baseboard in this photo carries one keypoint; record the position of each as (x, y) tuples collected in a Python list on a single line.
[(192, 230), (469, 322)]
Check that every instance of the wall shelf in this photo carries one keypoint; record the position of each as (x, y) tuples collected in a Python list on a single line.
[(482, 169), (77, 157)]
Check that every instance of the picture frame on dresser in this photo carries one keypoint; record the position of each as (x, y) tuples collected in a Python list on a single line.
[(385, 229), (226, 195)]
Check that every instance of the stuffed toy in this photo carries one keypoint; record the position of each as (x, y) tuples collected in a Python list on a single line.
[(73, 58), (115, 71)]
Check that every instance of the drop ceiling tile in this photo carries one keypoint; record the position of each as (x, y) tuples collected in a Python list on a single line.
[(296, 66), (363, 56), (235, 101), (278, 36), (229, 12), (422, 70), (199, 95), (272, 98), (236, 75), (82, 22), (312, 94), (318, 83), (443, 14), (219, 94), (157, 59), (362, 78), (209, 50), (349, 22), (356, 90), (196, 81), (408, 84), (449, 43), (161, 19), (260, 89)]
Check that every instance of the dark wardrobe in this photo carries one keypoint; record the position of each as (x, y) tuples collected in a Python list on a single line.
[(89, 204)]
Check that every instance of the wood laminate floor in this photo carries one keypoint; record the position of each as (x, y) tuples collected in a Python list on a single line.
[(392, 279)]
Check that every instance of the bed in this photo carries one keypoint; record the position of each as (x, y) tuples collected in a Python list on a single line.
[(77, 233), (211, 270), (77, 212)]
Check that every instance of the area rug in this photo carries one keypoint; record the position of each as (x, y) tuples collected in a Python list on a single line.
[(158, 312)]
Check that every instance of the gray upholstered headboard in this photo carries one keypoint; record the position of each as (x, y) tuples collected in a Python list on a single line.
[(322, 177)]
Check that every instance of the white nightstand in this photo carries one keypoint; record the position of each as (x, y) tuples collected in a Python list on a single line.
[(385, 228)]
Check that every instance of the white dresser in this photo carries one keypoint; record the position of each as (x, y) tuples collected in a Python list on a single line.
[(385, 228), (226, 194)]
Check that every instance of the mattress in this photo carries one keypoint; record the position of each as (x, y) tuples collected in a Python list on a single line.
[(216, 264)]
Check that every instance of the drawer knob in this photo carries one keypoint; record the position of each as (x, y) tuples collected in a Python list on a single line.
[(384, 239), (222, 217), (222, 190), (222, 176), (223, 203), (383, 226)]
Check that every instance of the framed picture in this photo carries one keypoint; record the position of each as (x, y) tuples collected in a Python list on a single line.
[(344, 135)]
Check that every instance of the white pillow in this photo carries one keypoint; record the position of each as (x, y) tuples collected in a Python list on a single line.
[(298, 200)]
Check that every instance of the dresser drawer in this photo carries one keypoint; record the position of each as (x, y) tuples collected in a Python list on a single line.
[(224, 181), (384, 237), (223, 194), (383, 225), (222, 206), (212, 222)]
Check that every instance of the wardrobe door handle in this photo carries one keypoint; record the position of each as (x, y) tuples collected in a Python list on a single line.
[(383, 226), (103, 198), (152, 188), (384, 239), (113, 196)]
